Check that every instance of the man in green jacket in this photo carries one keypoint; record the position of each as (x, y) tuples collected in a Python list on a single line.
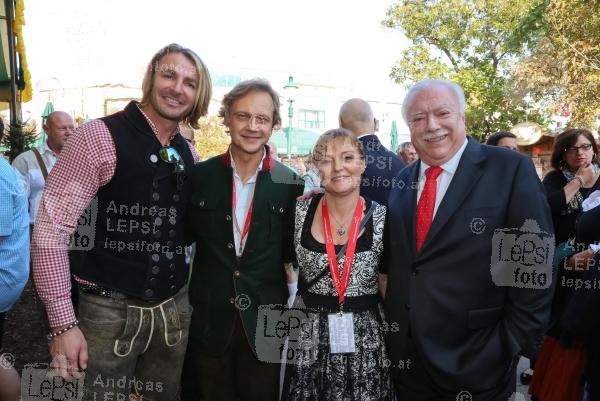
[(242, 219)]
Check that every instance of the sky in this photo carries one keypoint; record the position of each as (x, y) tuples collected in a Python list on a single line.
[(72, 43)]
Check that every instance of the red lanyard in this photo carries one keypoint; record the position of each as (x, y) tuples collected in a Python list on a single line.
[(341, 285), (244, 233)]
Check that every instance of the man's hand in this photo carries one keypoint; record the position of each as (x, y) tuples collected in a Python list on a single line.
[(69, 354)]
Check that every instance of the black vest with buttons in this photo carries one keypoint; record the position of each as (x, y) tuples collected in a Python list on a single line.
[(139, 246)]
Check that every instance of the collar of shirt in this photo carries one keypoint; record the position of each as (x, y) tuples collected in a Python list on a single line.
[(252, 179), (44, 148), (443, 182), (361, 135), (153, 127)]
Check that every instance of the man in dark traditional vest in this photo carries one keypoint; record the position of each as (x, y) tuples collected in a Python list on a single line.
[(129, 169), (241, 217)]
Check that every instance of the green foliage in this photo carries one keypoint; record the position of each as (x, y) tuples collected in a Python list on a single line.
[(474, 43), (563, 70), (18, 139)]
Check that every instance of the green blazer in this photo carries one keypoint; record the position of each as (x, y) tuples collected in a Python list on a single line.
[(219, 287)]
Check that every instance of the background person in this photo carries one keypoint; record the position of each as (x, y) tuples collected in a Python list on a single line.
[(503, 139), (559, 368), (360, 374), (14, 262), (356, 115), (35, 164), (580, 319), (406, 151)]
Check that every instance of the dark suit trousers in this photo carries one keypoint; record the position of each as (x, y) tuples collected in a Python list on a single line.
[(415, 384), (237, 374)]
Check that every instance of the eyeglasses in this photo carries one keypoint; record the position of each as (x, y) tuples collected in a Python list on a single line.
[(574, 149), (170, 155), (245, 118)]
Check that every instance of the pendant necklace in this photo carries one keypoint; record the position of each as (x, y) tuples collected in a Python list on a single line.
[(341, 230)]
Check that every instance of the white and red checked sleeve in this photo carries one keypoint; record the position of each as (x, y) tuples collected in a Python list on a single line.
[(86, 163)]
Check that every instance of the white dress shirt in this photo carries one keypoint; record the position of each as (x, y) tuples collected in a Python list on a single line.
[(31, 173), (444, 179), (244, 196)]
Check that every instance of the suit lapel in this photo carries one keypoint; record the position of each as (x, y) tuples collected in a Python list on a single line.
[(407, 204), (467, 174)]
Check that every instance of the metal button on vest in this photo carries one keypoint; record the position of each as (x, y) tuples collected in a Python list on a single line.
[(231, 300), (172, 220), (176, 198), (171, 277), (157, 234), (172, 233), (169, 255), (148, 293), (157, 221), (155, 257), (172, 287), (155, 184), (153, 158), (152, 281), (123, 348), (172, 266), (280, 210), (155, 196), (228, 217), (155, 269), (230, 245), (236, 273), (201, 203)]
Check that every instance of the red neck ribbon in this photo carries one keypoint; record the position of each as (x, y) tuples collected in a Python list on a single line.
[(246, 229), (341, 285)]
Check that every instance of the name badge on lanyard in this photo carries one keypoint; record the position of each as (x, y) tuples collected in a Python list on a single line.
[(341, 333), (341, 325)]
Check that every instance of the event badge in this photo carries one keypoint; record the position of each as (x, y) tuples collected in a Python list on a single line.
[(341, 333)]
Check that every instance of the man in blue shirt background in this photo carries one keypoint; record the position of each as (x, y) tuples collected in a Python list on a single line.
[(14, 259)]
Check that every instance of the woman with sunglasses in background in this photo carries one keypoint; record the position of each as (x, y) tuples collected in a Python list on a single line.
[(561, 359)]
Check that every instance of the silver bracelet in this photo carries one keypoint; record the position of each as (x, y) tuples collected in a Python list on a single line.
[(580, 179), (51, 335)]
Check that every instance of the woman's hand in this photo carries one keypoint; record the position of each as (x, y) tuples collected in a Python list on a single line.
[(588, 175), (581, 261)]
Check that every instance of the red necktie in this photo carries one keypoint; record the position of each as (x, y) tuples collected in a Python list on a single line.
[(426, 204)]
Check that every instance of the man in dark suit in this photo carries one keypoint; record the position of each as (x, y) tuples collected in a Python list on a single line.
[(382, 164), (242, 219), (465, 223)]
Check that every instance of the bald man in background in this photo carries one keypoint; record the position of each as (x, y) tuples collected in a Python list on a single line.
[(383, 165), (34, 165)]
